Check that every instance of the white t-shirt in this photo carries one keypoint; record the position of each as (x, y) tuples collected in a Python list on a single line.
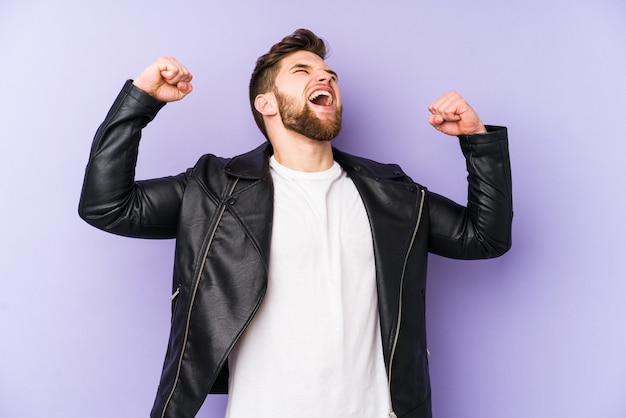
[(314, 347)]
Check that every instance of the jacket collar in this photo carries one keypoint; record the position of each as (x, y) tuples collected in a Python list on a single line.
[(255, 164)]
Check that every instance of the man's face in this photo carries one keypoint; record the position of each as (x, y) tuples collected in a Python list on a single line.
[(309, 100)]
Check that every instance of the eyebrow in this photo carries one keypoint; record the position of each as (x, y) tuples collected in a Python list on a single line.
[(308, 67)]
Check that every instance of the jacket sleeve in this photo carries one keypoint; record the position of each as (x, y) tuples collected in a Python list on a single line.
[(483, 228), (111, 199)]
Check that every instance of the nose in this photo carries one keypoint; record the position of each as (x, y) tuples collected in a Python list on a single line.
[(323, 76)]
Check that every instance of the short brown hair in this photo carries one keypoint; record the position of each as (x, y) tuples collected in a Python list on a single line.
[(265, 71)]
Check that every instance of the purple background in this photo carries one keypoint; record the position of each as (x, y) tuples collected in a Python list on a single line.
[(540, 332)]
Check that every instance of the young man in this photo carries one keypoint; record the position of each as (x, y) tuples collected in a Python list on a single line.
[(300, 271)]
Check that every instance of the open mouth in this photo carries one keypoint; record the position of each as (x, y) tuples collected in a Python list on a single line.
[(321, 98)]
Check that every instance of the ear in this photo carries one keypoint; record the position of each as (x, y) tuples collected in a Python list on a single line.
[(266, 104)]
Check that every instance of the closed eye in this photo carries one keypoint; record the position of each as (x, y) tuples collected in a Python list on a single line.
[(306, 69)]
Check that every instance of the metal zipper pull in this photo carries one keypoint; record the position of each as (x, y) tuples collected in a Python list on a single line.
[(175, 294)]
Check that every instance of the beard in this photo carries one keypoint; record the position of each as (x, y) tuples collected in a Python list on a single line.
[(304, 122)]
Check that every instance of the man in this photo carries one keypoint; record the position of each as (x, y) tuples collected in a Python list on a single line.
[(328, 320)]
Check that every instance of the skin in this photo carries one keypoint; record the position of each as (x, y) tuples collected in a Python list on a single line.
[(300, 74), (166, 80)]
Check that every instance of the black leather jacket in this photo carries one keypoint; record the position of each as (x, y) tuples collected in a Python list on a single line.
[(220, 213)]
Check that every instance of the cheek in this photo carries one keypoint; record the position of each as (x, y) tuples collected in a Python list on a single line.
[(338, 93)]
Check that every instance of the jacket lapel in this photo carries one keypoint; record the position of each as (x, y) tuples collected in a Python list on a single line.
[(391, 200), (252, 199)]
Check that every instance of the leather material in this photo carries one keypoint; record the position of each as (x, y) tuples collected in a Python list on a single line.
[(220, 212)]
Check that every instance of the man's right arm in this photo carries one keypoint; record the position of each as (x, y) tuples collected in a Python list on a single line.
[(111, 199)]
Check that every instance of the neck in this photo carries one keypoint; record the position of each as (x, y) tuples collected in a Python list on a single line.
[(300, 153)]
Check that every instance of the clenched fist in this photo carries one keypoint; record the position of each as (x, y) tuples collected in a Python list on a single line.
[(166, 80), (452, 115)]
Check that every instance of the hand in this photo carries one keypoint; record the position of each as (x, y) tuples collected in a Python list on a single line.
[(452, 115), (166, 80)]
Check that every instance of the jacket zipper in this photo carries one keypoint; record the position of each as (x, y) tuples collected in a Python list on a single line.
[(193, 297), (392, 414)]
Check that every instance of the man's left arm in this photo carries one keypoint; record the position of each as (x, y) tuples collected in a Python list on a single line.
[(482, 229)]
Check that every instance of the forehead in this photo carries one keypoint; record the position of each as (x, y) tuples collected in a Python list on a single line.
[(303, 58)]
